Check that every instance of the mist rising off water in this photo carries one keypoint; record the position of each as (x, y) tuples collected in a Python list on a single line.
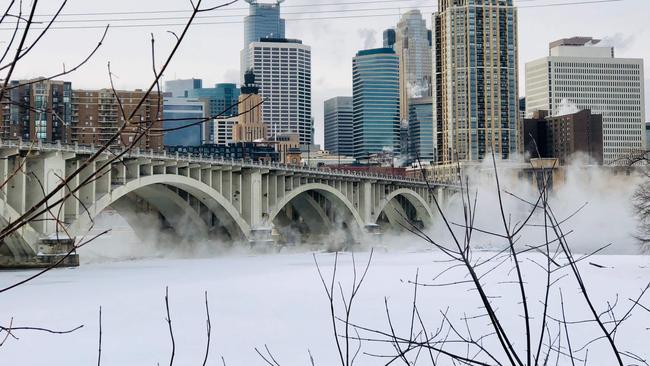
[(607, 218)]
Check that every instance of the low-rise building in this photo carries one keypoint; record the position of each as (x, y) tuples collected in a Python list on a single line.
[(249, 151), (561, 137), (222, 130), (184, 121)]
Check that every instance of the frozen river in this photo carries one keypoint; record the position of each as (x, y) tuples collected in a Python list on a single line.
[(257, 300)]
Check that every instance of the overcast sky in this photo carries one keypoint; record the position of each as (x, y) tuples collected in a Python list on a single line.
[(211, 51)]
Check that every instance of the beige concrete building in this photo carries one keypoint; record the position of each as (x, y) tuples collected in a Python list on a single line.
[(250, 125)]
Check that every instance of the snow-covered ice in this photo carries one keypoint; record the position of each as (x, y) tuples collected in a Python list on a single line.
[(257, 300)]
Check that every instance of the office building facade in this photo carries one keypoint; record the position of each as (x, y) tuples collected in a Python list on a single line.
[(283, 74), (97, 116), (390, 37), (421, 144), (263, 21), (580, 72), (413, 46), (475, 77), (222, 102), (338, 121), (184, 121), (35, 110), (375, 99), (181, 88), (250, 125), (562, 137), (223, 128)]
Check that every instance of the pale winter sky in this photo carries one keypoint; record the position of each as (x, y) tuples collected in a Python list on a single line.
[(211, 51)]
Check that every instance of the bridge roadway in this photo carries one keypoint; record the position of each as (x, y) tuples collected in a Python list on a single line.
[(200, 197)]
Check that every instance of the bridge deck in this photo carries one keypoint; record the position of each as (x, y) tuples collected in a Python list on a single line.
[(137, 153)]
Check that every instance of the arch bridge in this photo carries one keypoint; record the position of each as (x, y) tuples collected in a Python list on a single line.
[(200, 198)]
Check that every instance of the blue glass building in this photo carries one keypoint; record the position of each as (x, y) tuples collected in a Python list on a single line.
[(338, 126), (263, 21), (179, 112), (421, 130), (181, 88), (222, 102), (375, 98)]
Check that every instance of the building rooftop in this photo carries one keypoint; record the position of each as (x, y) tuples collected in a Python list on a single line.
[(575, 41), (376, 51), (580, 47), (280, 40)]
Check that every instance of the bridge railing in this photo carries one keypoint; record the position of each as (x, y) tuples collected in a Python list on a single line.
[(149, 154)]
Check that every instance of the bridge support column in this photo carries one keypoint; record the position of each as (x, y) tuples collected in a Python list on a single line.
[(46, 172), (251, 200), (366, 204)]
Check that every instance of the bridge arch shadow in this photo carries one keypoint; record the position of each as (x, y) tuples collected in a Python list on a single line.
[(168, 196), (402, 208), (316, 213)]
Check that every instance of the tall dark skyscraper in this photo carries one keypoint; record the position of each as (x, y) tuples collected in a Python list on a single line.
[(338, 126), (375, 98), (389, 38), (263, 21)]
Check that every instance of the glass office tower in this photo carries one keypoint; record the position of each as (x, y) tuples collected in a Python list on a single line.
[(181, 112), (263, 21), (421, 130), (338, 126), (375, 76), (222, 103)]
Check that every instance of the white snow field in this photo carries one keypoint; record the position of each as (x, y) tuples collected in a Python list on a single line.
[(278, 300)]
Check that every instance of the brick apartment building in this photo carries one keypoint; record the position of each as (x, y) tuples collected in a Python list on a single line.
[(96, 116)]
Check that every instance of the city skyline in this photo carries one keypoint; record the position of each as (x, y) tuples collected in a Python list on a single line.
[(334, 42)]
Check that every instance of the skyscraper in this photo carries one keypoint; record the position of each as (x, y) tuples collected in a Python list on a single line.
[(421, 130), (250, 125), (338, 126), (582, 73), (375, 80), (263, 21), (283, 72), (475, 79), (413, 46), (389, 38)]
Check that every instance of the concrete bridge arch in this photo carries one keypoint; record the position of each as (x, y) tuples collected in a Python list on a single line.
[(311, 208), (397, 214), (154, 189)]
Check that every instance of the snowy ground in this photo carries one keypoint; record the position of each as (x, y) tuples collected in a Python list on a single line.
[(255, 300)]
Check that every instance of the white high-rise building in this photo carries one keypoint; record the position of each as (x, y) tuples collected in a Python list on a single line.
[(581, 73), (283, 73)]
